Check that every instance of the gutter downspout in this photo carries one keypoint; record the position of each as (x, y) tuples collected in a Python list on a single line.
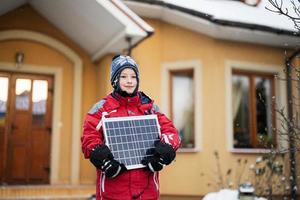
[(130, 46), (293, 182), (148, 31)]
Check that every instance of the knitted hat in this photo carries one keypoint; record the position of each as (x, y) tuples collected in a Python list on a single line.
[(120, 62)]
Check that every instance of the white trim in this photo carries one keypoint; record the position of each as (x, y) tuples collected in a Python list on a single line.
[(76, 107), (155, 180), (131, 27), (165, 98), (134, 17), (102, 189), (280, 91)]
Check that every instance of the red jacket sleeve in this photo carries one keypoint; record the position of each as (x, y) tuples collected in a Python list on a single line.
[(169, 133), (91, 136)]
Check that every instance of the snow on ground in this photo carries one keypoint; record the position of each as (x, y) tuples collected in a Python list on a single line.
[(226, 194)]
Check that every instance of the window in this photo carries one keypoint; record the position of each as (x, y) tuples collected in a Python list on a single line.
[(181, 88), (253, 115), (39, 101), (23, 89), (182, 105)]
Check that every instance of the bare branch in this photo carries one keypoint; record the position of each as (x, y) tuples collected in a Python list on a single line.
[(282, 10)]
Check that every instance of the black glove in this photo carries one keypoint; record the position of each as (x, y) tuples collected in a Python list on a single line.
[(102, 158), (113, 168), (164, 154), (153, 164)]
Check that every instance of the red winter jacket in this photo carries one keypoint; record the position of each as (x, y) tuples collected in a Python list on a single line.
[(135, 181)]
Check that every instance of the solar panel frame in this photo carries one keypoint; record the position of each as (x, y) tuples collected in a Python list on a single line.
[(135, 141)]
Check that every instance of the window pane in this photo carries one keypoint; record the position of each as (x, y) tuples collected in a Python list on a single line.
[(183, 107), (39, 101), (23, 87), (240, 111), (3, 99), (263, 89)]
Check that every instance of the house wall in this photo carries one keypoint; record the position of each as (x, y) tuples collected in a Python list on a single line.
[(40, 55), (193, 172), (103, 72)]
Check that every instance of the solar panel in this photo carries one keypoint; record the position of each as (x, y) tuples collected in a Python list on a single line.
[(131, 139)]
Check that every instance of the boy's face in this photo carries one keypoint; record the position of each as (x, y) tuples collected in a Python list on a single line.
[(128, 80)]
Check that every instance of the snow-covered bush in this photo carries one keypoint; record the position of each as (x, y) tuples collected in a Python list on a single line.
[(226, 194)]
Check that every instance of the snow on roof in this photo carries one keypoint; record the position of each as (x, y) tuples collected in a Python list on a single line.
[(224, 19), (237, 11)]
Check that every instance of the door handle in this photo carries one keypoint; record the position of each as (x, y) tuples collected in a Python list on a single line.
[(47, 169), (13, 127)]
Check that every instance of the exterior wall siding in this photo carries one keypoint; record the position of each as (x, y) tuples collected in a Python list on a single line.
[(193, 172)]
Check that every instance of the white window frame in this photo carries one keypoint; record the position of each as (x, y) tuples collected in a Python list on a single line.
[(165, 96), (280, 92)]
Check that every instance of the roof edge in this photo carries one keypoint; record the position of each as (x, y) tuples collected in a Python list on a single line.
[(133, 17), (221, 22), (145, 30)]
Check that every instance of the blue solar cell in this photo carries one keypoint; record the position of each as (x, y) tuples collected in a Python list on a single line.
[(131, 139)]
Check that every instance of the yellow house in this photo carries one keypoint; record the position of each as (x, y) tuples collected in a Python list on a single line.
[(206, 69)]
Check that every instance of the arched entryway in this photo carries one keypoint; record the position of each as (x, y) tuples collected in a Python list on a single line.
[(57, 73)]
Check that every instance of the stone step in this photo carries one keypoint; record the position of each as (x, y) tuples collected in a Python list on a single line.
[(48, 192)]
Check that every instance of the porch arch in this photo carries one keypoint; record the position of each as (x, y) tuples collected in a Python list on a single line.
[(76, 107)]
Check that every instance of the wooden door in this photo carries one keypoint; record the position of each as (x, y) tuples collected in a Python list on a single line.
[(26, 129)]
